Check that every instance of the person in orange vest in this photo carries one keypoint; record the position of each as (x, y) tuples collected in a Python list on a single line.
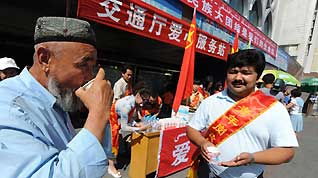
[(196, 96), (124, 113), (154, 104), (122, 88)]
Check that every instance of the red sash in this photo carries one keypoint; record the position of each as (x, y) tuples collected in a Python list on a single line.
[(241, 114)]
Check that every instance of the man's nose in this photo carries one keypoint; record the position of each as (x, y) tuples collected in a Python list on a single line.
[(239, 75)]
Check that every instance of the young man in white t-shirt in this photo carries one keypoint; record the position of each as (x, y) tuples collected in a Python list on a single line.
[(267, 140)]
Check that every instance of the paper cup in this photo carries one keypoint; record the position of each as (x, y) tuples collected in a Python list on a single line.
[(214, 154)]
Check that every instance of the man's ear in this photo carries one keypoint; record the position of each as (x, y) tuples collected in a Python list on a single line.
[(43, 58)]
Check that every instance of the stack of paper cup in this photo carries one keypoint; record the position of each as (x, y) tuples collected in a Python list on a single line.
[(214, 154)]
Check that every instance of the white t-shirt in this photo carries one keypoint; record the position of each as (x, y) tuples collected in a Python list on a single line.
[(120, 89), (298, 106), (271, 129)]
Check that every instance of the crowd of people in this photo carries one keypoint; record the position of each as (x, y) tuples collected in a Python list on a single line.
[(250, 127)]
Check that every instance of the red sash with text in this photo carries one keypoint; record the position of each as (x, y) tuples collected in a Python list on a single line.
[(233, 120)]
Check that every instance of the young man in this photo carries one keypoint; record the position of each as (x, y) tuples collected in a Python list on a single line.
[(37, 138), (273, 87), (123, 86), (249, 128), (8, 68)]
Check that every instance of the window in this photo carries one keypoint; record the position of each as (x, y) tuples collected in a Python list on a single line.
[(237, 5), (267, 29), (254, 14)]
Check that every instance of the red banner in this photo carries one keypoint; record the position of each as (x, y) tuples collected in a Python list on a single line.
[(185, 82), (223, 14), (143, 19), (175, 152)]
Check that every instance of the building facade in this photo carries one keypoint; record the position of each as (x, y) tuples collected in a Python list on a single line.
[(295, 30), (254, 20)]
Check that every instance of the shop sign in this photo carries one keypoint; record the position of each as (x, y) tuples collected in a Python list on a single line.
[(175, 151), (221, 13), (143, 19)]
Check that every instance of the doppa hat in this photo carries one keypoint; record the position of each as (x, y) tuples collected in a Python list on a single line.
[(63, 29), (7, 62)]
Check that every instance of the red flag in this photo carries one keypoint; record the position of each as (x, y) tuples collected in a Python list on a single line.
[(235, 44), (185, 83)]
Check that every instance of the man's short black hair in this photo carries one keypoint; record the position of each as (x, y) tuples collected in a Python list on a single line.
[(268, 79), (124, 68), (247, 57), (295, 92), (197, 81)]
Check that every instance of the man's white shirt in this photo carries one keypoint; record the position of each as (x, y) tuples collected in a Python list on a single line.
[(271, 129)]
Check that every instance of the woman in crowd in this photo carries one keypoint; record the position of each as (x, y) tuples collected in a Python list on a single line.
[(295, 110)]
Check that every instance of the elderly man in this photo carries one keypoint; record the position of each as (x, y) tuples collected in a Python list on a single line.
[(36, 135), (8, 68), (249, 128)]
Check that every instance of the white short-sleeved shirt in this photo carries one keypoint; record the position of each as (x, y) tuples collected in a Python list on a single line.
[(271, 129), (120, 88), (298, 106)]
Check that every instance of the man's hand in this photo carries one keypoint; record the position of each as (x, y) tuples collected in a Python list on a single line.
[(97, 99), (144, 127), (242, 159), (204, 150)]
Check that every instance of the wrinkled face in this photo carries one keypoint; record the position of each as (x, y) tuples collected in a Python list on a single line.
[(128, 75), (70, 65), (8, 72), (65, 98), (241, 81)]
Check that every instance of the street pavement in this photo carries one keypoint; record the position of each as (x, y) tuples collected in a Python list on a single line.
[(304, 164)]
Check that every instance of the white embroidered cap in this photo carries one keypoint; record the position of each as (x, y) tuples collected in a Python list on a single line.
[(7, 62)]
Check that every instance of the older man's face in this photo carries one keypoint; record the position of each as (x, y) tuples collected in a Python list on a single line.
[(71, 65)]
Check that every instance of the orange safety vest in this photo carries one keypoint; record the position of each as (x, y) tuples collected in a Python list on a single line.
[(153, 110)]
